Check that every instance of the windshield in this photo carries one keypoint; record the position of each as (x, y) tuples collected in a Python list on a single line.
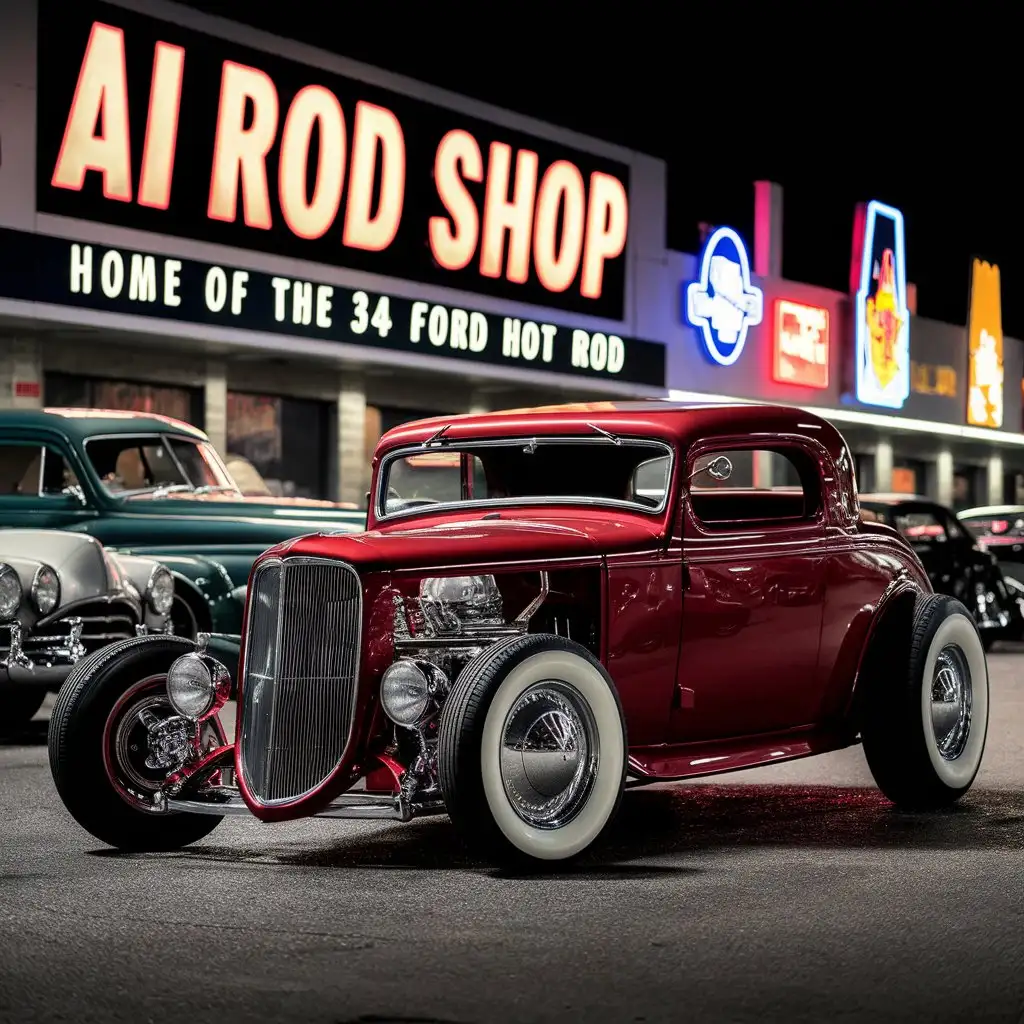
[(155, 466), (624, 472)]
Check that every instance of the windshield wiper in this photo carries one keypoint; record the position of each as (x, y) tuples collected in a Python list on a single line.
[(437, 437), (605, 433)]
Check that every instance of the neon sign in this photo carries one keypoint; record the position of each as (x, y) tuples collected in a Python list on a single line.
[(724, 303), (985, 369), (882, 320), (292, 160), (801, 344)]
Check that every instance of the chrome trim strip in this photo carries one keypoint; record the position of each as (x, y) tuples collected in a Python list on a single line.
[(460, 446), (364, 806)]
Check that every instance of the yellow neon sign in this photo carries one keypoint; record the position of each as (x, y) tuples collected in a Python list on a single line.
[(985, 339)]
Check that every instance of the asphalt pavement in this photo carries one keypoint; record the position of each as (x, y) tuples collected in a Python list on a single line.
[(789, 893)]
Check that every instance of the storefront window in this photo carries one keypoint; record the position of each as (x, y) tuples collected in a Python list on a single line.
[(76, 392), (909, 476), (277, 446), (967, 487), (864, 469)]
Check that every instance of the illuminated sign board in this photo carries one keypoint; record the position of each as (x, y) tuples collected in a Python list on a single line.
[(724, 303), (881, 317), (150, 125), (985, 352), (801, 344), (60, 272), (929, 379)]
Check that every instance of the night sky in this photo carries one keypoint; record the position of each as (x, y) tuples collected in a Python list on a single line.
[(927, 121)]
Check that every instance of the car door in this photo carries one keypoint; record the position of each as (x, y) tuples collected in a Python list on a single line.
[(39, 487), (754, 575)]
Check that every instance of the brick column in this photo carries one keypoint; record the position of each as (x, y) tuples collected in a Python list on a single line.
[(21, 374), (353, 471), (215, 410)]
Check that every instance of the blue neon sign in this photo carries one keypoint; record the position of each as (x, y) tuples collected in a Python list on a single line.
[(724, 303), (882, 320)]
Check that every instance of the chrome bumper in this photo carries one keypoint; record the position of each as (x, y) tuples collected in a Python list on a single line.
[(48, 660), (372, 806)]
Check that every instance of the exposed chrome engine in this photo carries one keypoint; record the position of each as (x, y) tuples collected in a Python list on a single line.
[(436, 635)]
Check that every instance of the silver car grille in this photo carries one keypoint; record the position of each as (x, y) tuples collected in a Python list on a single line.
[(301, 671)]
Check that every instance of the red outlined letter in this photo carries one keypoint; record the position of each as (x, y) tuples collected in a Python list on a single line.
[(240, 152), (458, 158), (102, 90), (516, 216), (607, 220), (161, 126), (312, 218), (375, 125), (562, 184)]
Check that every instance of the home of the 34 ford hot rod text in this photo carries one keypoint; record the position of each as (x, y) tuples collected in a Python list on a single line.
[(548, 606)]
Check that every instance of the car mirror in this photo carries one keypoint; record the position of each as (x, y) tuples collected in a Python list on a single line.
[(717, 469)]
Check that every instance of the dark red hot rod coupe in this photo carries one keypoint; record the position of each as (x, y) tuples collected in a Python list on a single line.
[(549, 606)]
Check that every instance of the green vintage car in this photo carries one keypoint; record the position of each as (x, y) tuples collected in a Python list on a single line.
[(148, 484)]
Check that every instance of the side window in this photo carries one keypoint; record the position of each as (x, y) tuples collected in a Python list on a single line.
[(779, 486), (33, 471), (922, 527), (650, 481)]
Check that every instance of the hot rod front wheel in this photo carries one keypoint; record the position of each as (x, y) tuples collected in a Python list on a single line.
[(114, 738), (532, 750), (926, 718)]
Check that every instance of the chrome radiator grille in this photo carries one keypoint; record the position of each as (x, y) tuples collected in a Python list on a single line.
[(300, 674)]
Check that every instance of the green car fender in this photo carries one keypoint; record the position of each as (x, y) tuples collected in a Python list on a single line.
[(206, 599)]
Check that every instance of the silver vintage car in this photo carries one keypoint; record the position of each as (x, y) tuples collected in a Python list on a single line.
[(63, 596)]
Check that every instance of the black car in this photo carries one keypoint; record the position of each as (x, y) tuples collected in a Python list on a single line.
[(955, 561), (999, 529)]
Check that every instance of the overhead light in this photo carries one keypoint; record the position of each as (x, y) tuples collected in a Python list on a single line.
[(869, 419)]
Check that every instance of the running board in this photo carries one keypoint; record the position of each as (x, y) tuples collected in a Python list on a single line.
[(372, 806)]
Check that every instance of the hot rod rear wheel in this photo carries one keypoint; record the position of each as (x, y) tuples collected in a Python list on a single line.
[(94, 746), (532, 750), (924, 732)]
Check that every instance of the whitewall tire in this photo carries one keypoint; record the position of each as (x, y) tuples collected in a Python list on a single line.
[(924, 730), (532, 750)]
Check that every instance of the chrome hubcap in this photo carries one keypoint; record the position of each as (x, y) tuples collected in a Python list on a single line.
[(549, 754), (151, 742), (951, 702)]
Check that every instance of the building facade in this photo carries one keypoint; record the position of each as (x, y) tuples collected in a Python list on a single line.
[(297, 252)]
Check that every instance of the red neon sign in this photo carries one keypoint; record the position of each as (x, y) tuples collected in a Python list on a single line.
[(801, 344)]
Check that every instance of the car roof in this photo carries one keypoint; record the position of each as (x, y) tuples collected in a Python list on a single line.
[(678, 422), (992, 510), (83, 423)]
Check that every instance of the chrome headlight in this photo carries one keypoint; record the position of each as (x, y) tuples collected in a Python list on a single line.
[(197, 686), (10, 591), (45, 591), (410, 692), (160, 590)]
